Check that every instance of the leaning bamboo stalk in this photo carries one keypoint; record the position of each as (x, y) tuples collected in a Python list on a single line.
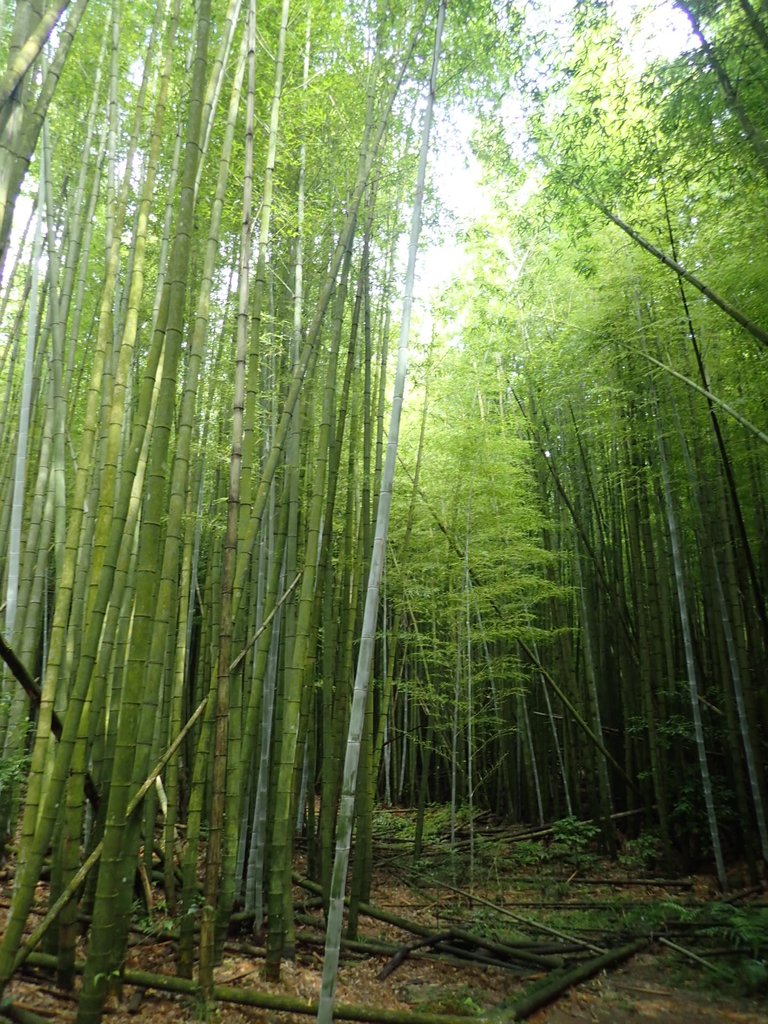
[(757, 332), (34, 938), (30, 51), (370, 614), (730, 89), (334, 618)]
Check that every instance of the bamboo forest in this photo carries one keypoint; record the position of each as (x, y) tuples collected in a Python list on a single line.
[(384, 489)]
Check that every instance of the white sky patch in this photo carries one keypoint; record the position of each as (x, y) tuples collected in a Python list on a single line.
[(136, 72), (462, 197), (652, 30), (22, 212)]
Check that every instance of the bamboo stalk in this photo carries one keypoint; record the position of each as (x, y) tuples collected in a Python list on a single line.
[(266, 1000), (19, 1014), (32, 690), (554, 986), (26, 949)]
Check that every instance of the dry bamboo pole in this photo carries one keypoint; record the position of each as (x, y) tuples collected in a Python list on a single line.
[(265, 1000), (559, 982)]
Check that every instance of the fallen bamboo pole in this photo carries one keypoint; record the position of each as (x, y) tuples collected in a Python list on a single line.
[(263, 1000), (690, 955), (20, 1015), (405, 951), (547, 991), (541, 831), (509, 949), (536, 925)]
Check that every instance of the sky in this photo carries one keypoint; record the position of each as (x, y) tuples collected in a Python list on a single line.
[(653, 28)]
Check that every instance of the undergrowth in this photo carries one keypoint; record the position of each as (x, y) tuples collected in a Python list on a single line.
[(733, 940)]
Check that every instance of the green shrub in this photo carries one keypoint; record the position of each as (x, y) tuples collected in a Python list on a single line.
[(571, 837), (642, 853)]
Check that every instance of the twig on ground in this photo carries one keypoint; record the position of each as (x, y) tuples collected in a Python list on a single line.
[(525, 920), (690, 955)]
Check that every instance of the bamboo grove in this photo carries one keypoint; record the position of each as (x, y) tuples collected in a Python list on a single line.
[(214, 641)]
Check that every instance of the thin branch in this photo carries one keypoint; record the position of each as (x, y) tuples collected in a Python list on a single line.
[(239, 659)]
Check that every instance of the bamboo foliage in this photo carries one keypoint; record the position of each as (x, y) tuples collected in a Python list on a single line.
[(558, 607)]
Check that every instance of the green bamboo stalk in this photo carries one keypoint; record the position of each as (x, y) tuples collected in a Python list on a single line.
[(216, 81), (334, 928), (21, 117), (236, 766), (368, 153), (690, 661), (259, 283), (25, 57), (110, 923), (190, 898), (45, 776), (74, 884), (301, 654), (215, 855), (25, 409), (335, 618), (179, 478)]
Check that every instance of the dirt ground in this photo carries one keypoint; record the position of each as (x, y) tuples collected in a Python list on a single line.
[(655, 985)]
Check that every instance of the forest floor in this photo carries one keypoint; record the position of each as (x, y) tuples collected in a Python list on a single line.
[(501, 889)]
